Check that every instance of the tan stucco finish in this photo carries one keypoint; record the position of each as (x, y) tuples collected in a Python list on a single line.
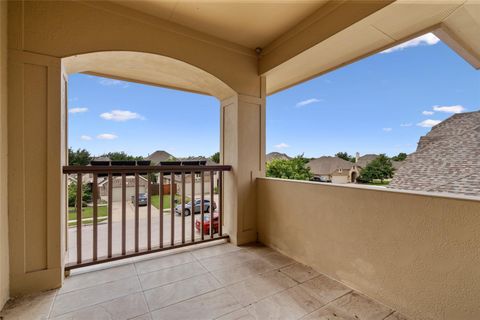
[(4, 261), (47, 40), (417, 253), (149, 68)]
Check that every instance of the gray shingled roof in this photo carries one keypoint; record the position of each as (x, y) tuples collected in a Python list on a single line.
[(447, 158), (276, 155), (327, 165), (158, 156)]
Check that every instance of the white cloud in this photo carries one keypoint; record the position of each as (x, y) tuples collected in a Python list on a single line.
[(86, 138), (427, 113), (428, 39), (121, 115), (387, 129), (107, 136), (77, 110), (307, 102), (282, 145), (428, 123), (449, 109), (113, 82), (408, 124)]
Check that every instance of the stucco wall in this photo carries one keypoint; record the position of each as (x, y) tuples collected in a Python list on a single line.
[(419, 254), (4, 281)]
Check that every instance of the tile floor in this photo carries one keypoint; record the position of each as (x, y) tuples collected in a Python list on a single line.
[(213, 282)]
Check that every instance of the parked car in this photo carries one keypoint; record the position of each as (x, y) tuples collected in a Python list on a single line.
[(198, 204), (142, 199), (206, 223)]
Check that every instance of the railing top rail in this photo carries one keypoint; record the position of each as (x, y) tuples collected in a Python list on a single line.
[(144, 169)]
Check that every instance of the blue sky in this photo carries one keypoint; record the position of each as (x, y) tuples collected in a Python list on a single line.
[(381, 104)]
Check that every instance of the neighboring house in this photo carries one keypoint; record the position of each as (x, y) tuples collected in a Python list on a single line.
[(447, 158), (276, 155), (117, 187), (364, 160), (198, 183), (333, 169), (159, 156)]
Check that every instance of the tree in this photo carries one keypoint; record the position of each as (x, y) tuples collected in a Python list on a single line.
[(380, 168), (81, 157), (400, 157), (215, 157), (345, 156), (116, 156), (295, 168), (72, 194)]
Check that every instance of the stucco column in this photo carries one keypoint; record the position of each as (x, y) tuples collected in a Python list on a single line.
[(36, 153), (243, 147)]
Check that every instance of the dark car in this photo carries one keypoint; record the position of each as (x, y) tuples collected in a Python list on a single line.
[(142, 199), (188, 207)]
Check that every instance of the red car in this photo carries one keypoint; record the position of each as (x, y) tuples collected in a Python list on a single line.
[(206, 223)]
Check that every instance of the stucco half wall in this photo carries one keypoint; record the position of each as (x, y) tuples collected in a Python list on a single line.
[(418, 253)]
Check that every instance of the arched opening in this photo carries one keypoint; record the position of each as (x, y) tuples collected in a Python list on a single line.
[(148, 68), (120, 216)]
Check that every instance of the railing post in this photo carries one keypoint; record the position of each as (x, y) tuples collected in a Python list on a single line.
[(79, 217), (214, 226)]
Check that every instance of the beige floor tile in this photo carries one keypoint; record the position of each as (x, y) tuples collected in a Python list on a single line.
[(214, 250), (325, 289), (240, 314), (161, 297), (396, 316), (163, 262), (33, 307), (227, 260), (299, 272), (82, 298), (122, 308), (90, 279), (242, 271), (146, 316), (258, 287), (328, 313), (258, 249), (208, 306), (292, 303), (278, 260), (169, 275), (360, 307)]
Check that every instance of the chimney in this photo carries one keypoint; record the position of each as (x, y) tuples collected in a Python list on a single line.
[(357, 155)]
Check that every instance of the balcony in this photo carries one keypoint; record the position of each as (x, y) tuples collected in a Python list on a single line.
[(213, 281), (417, 253)]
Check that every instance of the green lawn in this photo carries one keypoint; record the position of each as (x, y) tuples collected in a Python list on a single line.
[(166, 201), (379, 183), (87, 212)]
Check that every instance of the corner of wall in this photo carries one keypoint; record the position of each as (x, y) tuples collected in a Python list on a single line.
[(4, 247)]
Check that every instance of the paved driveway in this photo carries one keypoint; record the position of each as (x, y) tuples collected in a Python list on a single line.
[(87, 231)]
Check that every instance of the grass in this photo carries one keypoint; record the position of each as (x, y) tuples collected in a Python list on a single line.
[(87, 215), (379, 183), (87, 212), (166, 201)]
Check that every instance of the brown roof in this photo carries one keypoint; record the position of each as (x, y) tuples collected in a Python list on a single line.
[(447, 158), (276, 155), (364, 160), (327, 165), (158, 156)]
